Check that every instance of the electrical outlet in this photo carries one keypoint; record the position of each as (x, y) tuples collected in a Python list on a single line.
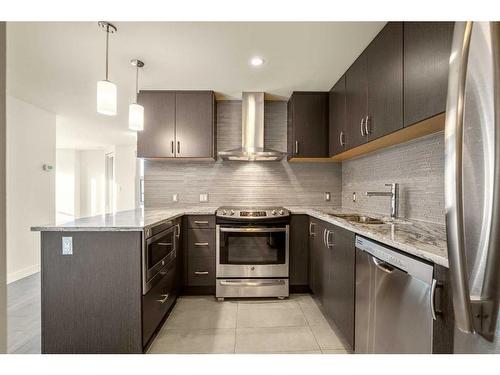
[(67, 246), (204, 197), (175, 198), (328, 196), (354, 196)]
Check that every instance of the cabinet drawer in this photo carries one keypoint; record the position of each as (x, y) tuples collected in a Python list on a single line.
[(201, 271), (157, 301), (201, 221), (201, 243)]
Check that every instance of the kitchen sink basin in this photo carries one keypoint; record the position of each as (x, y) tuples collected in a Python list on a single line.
[(362, 219)]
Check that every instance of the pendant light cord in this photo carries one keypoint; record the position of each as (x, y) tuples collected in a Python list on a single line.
[(107, 50), (136, 83)]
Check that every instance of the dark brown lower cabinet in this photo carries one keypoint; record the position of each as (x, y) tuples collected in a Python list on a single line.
[(339, 295), (299, 251), (443, 327)]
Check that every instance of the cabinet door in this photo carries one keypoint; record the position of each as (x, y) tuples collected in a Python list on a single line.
[(356, 96), (385, 81), (337, 117), (315, 248), (342, 282), (310, 124), (299, 250), (427, 48), (194, 124), (158, 137)]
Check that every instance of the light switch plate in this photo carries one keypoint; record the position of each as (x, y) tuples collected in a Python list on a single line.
[(204, 197), (328, 196), (67, 246)]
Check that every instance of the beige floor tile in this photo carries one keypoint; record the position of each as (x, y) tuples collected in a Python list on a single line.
[(275, 340), (194, 341), (326, 337), (266, 316), (268, 304), (222, 317), (314, 316), (335, 351), (203, 303), (304, 300)]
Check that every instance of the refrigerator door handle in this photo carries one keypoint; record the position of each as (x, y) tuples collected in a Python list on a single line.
[(453, 176)]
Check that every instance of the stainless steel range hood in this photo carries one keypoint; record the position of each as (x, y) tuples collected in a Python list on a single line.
[(252, 134)]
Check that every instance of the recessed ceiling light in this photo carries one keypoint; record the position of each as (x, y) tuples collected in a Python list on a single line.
[(257, 61)]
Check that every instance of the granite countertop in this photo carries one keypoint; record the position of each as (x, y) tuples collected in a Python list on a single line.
[(422, 239)]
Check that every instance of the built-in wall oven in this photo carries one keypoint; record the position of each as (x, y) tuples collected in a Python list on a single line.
[(252, 252)]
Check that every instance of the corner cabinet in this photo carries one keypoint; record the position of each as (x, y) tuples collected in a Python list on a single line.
[(308, 125), (177, 124), (337, 117)]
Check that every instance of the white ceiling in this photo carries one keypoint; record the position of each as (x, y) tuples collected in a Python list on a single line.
[(56, 65)]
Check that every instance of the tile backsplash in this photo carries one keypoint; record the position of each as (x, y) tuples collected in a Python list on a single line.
[(278, 183), (418, 167)]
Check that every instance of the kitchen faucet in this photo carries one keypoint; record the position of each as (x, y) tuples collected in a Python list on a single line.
[(394, 194)]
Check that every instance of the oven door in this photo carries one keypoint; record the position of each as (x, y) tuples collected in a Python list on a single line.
[(247, 252), (159, 250)]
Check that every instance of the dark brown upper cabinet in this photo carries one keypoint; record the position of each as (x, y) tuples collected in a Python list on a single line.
[(374, 88), (427, 48), (177, 124), (308, 125), (356, 102), (158, 137), (194, 124), (384, 69), (337, 117)]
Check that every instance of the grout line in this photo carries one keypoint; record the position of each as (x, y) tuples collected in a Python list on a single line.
[(235, 328)]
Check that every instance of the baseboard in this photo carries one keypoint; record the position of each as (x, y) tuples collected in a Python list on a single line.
[(21, 274)]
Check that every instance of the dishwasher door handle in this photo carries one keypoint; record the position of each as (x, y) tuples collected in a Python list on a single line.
[(382, 265)]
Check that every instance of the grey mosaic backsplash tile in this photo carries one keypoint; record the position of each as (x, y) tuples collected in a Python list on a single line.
[(418, 166)]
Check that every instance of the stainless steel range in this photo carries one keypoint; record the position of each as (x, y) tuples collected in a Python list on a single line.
[(252, 252)]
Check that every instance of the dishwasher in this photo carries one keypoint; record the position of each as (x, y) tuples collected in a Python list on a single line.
[(394, 301)]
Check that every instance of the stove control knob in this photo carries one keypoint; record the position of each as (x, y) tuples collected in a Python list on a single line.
[(273, 212), (232, 212), (281, 212), (224, 212)]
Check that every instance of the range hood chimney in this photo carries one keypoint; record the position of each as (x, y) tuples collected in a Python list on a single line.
[(252, 134)]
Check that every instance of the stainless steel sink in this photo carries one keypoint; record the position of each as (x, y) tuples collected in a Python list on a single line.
[(359, 218)]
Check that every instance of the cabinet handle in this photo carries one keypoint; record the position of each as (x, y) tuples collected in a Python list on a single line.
[(368, 129), (201, 272), (434, 285), (162, 301), (164, 243), (201, 222), (328, 243), (341, 138), (201, 244), (178, 234), (296, 147), (361, 126), (324, 237), (178, 147), (172, 147), (311, 226)]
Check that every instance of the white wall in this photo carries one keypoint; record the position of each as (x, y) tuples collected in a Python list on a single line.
[(31, 143), (92, 184), (125, 177), (67, 184)]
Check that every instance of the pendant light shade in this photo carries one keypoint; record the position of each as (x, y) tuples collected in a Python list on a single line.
[(106, 90), (106, 98), (136, 111), (136, 117)]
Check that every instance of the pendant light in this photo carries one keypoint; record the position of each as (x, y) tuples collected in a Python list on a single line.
[(106, 90), (136, 111)]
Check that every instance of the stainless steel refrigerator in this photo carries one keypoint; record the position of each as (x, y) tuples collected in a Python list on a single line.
[(472, 185)]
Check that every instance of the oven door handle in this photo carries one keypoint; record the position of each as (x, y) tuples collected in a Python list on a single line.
[(253, 230), (252, 283)]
